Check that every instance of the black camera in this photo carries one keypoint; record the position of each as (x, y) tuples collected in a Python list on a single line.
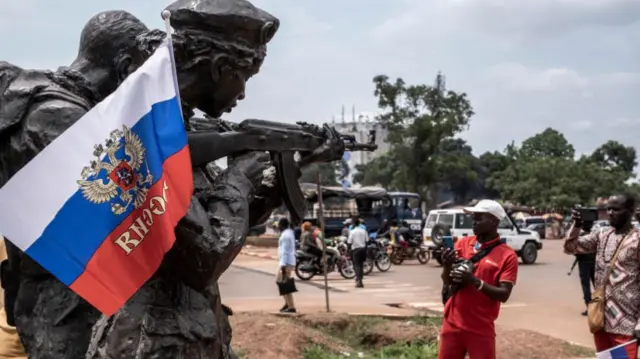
[(460, 265), (588, 214)]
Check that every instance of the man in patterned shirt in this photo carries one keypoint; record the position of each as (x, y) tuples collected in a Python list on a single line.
[(622, 291)]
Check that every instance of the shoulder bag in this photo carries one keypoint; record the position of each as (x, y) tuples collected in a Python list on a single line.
[(595, 308)]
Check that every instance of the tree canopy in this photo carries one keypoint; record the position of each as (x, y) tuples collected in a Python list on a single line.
[(421, 120), (428, 157), (330, 173)]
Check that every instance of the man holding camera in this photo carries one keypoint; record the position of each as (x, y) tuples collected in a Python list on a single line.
[(616, 320), (478, 275)]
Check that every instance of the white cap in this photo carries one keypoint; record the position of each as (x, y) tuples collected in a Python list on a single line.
[(487, 206), (347, 221)]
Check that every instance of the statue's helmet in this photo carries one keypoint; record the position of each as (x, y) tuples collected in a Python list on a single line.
[(226, 39), (233, 21)]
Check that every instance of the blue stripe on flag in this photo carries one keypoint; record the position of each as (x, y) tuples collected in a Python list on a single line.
[(619, 353), (80, 226)]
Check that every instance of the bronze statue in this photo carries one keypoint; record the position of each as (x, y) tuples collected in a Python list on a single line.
[(178, 314), (36, 107), (219, 45)]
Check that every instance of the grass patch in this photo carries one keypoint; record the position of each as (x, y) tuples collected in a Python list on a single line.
[(357, 331), (395, 351), (338, 336), (369, 338), (410, 351), (426, 320), (578, 351), (320, 352), (240, 353)]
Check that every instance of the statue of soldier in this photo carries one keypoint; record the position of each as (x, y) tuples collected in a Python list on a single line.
[(52, 320), (219, 45), (35, 108)]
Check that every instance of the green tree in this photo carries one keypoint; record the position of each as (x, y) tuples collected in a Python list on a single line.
[(381, 171), (615, 156), (548, 144), (458, 169), (328, 172), (543, 173), (418, 118), (491, 164)]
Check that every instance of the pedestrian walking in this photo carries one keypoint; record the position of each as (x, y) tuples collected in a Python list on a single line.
[(357, 243), (286, 262), (613, 321), (478, 275)]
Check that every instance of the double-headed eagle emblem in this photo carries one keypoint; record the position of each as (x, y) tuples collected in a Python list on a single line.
[(117, 175)]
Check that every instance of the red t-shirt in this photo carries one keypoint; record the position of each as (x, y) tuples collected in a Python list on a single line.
[(469, 309)]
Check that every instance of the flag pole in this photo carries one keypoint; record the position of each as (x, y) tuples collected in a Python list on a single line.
[(166, 16)]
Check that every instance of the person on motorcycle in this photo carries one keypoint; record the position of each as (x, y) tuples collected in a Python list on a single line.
[(347, 228), (383, 231), (318, 238), (308, 243), (406, 233), (392, 232)]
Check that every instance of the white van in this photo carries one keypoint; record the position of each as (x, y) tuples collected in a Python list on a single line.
[(525, 243)]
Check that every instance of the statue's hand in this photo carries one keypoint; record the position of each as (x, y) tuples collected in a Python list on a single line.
[(254, 166)]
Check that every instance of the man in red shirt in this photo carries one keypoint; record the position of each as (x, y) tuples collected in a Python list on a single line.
[(477, 276)]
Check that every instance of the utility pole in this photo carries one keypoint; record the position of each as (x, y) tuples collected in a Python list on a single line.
[(324, 245)]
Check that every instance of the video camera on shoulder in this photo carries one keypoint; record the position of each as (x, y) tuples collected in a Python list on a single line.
[(588, 214)]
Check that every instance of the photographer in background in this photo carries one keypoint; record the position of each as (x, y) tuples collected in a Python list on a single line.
[(586, 267), (477, 276), (616, 320)]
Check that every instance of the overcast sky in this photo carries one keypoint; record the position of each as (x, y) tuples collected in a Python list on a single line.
[(525, 64)]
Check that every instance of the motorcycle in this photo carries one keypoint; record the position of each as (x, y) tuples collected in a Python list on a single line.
[(343, 248), (409, 250), (377, 253), (308, 265)]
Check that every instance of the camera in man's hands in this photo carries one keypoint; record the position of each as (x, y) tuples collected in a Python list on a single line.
[(587, 214), (460, 265)]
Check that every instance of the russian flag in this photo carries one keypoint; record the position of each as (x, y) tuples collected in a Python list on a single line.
[(622, 351), (97, 207)]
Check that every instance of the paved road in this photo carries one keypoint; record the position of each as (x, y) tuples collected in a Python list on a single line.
[(545, 298)]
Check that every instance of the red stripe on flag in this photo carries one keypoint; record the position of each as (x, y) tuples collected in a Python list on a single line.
[(112, 276)]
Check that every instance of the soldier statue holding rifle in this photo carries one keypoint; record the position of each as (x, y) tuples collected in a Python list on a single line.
[(219, 45)]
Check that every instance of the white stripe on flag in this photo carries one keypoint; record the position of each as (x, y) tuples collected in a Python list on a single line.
[(31, 199)]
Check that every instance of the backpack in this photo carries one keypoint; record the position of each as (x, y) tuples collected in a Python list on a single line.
[(15, 100), (20, 89)]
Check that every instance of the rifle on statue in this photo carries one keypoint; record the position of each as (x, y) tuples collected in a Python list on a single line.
[(282, 141)]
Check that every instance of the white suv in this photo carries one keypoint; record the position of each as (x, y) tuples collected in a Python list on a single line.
[(525, 243)]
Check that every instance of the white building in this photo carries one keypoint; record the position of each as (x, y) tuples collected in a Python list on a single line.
[(360, 128)]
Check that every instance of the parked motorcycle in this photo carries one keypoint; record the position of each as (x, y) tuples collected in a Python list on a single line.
[(412, 250), (308, 265)]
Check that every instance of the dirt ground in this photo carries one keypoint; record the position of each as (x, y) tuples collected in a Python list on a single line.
[(267, 336)]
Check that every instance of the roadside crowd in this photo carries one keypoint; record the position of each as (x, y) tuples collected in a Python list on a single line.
[(480, 272)]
